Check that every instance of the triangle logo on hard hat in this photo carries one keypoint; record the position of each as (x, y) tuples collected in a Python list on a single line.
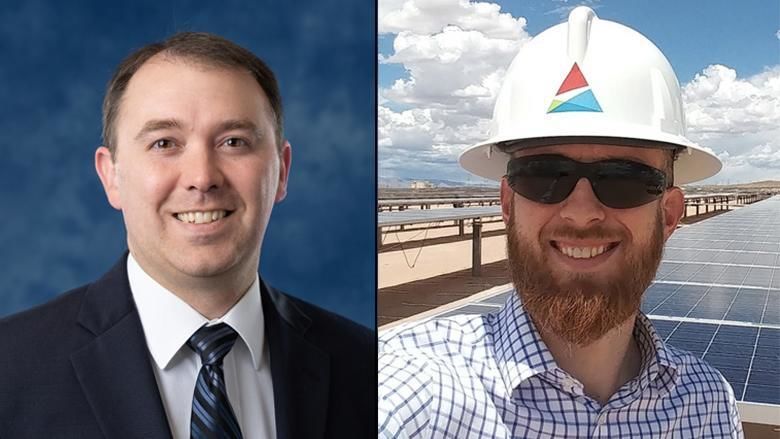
[(574, 94)]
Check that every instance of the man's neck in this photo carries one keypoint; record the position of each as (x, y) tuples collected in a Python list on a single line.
[(211, 296), (602, 366), (212, 301)]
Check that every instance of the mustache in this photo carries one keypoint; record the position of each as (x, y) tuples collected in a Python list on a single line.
[(597, 232)]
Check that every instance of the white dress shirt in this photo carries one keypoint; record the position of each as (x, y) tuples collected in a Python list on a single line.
[(168, 323)]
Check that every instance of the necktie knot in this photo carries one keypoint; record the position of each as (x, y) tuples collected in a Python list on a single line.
[(212, 343)]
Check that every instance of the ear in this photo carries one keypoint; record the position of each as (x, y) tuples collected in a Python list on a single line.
[(506, 200), (285, 156), (672, 204), (107, 172)]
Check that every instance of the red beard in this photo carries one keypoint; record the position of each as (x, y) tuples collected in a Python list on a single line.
[(581, 308)]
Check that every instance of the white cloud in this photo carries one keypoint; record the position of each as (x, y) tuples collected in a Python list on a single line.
[(426, 17), (408, 130), (454, 68), (739, 118), (455, 53)]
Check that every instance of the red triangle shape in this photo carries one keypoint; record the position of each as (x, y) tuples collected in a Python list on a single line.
[(573, 80)]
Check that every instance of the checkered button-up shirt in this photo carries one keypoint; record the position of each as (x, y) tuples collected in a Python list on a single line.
[(492, 376)]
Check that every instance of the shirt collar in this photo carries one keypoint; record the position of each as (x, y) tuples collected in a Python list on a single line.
[(659, 364), (168, 321), (521, 353)]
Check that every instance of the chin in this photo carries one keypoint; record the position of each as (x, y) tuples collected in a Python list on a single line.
[(586, 283), (207, 266)]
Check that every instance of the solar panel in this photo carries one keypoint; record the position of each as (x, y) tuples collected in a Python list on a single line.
[(717, 295), (418, 216)]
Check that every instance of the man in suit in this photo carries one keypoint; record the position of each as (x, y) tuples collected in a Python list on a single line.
[(181, 338)]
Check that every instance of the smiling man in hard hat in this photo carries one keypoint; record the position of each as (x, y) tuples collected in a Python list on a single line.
[(588, 142)]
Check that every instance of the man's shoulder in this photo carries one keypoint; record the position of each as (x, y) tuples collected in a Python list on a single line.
[(700, 389), (45, 321), (41, 341), (697, 377), (438, 336), (432, 363), (350, 350), (432, 353), (330, 330)]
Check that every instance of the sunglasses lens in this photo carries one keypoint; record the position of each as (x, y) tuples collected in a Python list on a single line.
[(622, 184), (618, 184), (542, 179)]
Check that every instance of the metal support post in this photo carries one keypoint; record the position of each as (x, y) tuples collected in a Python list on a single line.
[(476, 248)]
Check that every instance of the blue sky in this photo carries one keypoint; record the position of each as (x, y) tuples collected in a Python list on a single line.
[(59, 232), (739, 37)]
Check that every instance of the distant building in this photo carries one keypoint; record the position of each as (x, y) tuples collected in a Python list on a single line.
[(418, 184)]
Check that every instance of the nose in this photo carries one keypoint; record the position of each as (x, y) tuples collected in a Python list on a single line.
[(200, 169), (582, 208)]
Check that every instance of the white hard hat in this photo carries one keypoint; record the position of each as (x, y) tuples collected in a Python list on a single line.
[(589, 81)]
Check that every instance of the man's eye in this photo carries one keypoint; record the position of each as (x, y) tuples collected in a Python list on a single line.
[(235, 142), (162, 144)]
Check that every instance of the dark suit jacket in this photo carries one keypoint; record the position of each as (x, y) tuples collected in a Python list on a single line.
[(78, 367)]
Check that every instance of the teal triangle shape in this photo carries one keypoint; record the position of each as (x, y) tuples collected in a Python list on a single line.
[(568, 106), (586, 99)]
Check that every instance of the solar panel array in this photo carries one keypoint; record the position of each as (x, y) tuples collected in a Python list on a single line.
[(420, 216), (717, 295), (436, 201)]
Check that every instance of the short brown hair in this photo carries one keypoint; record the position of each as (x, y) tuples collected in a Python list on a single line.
[(200, 47)]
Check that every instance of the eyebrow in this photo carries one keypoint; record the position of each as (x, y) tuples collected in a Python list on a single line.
[(231, 124), (157, 125), (241, 124)]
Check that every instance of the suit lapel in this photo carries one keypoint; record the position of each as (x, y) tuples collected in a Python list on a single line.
[(299, 370), (114, 370)]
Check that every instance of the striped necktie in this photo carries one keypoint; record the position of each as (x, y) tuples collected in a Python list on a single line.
[(212, 415)]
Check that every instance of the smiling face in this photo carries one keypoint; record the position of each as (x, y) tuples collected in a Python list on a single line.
[(580, 267), (196, 173)]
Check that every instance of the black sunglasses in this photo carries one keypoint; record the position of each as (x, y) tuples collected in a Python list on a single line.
[(619, 184)]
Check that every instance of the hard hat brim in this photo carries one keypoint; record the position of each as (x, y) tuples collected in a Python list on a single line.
[(489, 159)]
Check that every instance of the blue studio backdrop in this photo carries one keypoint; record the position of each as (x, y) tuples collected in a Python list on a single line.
[(59, 231)]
